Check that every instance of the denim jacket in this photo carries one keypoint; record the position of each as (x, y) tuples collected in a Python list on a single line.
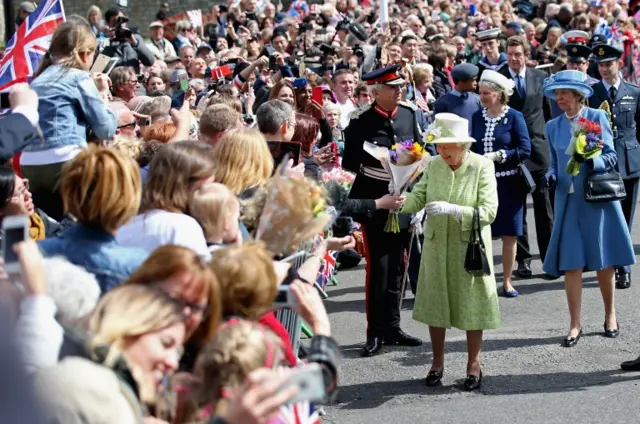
[(97, 251), (69, 104)]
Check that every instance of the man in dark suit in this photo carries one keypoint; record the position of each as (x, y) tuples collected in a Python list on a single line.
[(528, 99), (623, 99)]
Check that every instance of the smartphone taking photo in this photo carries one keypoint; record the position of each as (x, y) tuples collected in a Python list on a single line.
[(310, 383), (16, 230)]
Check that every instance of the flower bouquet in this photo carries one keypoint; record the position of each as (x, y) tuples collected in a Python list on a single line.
[(295, 210), (586, 143), (339, 176), (403, 162)]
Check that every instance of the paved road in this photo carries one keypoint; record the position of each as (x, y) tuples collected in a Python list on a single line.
[(528, 376)]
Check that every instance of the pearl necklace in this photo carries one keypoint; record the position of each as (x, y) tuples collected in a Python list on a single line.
[(571, 118)]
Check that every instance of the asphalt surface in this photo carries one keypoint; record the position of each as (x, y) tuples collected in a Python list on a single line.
[(528, 376)]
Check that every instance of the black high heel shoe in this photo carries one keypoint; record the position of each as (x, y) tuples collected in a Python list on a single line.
[(611, 333), (572, 341), (434, 378), (472, 382)]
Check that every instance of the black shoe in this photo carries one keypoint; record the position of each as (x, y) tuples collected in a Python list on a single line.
[(524, 270), (611, 333), (572, 341), (434, 378), (623, 280), (472, 382), (550, 277), (400, 338), (373, 346), (631, 365)]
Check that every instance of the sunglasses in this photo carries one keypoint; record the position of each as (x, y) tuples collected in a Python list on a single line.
[(132, 124)]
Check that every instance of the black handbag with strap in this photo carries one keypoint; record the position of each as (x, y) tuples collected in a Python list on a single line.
[(529, 182), (476, 262), (604, 187)]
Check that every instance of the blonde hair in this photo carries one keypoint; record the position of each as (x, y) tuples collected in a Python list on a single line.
[(126, 313), (101, 187), (69, 40), (247, 278), (173, 172), (243, 160), (128, 146), (421, 72), (239, 348), (210, 205)]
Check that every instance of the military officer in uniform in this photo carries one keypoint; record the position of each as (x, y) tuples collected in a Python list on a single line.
[(623, 99), (387, 121)]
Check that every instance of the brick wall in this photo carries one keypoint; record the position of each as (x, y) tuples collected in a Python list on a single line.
[(141, 12)]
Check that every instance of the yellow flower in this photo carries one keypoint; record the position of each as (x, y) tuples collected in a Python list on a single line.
[(581, 143)]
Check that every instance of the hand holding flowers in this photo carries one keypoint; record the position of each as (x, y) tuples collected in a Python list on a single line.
[(586, 143)]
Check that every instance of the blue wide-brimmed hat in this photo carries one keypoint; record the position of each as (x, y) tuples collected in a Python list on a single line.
[(569, 80)]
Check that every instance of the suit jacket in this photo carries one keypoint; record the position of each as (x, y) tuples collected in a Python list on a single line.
[(537, 111), (625, 123), (15, 133)]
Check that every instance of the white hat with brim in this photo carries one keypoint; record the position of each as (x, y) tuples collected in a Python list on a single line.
[(498, 79), (449, 128), (567, 80)]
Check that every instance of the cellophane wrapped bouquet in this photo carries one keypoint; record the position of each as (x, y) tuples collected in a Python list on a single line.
[(295, 210), (339, 176), (586, 142), (404, 162)]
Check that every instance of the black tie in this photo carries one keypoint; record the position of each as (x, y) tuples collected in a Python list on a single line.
[(612, 93), (464, 96)]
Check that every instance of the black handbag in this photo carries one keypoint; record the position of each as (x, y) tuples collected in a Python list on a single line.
[(604, 187), (476, 262), (529, 182)]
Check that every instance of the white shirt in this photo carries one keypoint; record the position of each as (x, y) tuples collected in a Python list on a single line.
[(522, 73), (345, 112), (607, 86), (157, 228)]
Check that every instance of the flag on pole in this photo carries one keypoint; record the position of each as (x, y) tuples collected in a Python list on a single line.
[(29, 44), (195, 17)]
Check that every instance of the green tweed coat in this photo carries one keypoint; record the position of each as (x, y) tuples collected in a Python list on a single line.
[(447, 295)]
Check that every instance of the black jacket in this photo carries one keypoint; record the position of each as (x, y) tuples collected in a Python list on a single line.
[(536, 109)]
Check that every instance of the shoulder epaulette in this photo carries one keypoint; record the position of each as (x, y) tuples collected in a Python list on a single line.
[(356, 113), (409, 105), (632, 84)]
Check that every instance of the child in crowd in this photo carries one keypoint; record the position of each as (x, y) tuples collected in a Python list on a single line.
[(217, 210), (238, 348)]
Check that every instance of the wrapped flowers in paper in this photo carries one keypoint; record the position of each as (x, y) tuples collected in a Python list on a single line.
[(403, 162), (295, 210)]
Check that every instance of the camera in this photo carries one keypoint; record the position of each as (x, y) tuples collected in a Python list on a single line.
[(122, 33), (305, 26), (357, 50)]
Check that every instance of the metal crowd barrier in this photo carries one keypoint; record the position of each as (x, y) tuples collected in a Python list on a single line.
[(289, 319)]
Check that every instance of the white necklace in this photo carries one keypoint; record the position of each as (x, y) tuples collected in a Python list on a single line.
[(571, 118), (491, 124)]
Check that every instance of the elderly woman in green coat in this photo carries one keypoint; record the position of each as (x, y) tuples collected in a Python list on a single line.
[(455, 183)]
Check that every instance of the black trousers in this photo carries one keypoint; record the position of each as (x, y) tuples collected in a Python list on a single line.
[(543, 215), (385, 267), (629, 208)]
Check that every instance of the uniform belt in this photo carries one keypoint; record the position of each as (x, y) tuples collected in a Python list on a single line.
[(375, 173)]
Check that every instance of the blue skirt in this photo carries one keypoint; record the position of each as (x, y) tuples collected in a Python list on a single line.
[(511, 206)]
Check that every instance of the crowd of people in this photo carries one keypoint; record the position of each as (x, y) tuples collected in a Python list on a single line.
[(161, 196)]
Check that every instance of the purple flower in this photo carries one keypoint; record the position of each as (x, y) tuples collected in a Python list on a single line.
[(393, 155), (592, 138), (407, 144)]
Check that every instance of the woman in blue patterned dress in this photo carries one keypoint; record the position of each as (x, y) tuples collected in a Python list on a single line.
[(502, 136)]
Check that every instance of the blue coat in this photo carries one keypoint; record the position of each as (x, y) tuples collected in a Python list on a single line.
[(592, 236)]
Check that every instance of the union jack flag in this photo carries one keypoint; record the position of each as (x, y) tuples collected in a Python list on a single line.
[(29, 44), (329, 264), (298, 413)]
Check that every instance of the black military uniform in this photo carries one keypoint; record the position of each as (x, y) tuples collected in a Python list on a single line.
[(624, 103), (384, 250)]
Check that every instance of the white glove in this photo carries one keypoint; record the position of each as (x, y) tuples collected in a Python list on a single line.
[(442, 208), (498, 156)]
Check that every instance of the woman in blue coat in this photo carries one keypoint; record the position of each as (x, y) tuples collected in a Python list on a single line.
[(586, 236), (502, 137)]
